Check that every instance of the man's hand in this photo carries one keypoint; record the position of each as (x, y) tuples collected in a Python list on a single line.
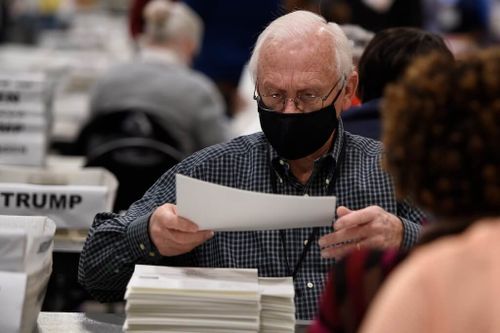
[(371, 227), (172, 235)]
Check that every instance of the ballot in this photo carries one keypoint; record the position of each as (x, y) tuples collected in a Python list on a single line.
[(221, 208)]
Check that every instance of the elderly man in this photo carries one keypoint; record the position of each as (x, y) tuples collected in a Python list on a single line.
[(304, 79)]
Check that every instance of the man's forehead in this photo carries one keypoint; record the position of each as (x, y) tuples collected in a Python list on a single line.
[(295, 54)]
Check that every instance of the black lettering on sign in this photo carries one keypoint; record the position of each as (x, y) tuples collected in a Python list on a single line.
[(40, 200), (22, 198), (9, 96), (74, 200), (6, 198), (12, 149), (11, 128), (57, 202)]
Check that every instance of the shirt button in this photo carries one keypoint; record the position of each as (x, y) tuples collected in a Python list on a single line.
[(142, 246), (305, 242), (327, 181), (151, 254), (282, 162), (306, 195), (310, 285)]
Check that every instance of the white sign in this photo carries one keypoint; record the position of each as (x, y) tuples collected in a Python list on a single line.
[(28, 149), (64, 196)]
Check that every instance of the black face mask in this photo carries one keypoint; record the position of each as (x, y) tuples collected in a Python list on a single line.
[(297, 135)]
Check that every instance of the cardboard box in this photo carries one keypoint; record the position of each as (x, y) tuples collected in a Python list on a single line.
[(26, 245), (71, 198)]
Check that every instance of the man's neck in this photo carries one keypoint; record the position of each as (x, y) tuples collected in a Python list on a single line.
[(302, 168)]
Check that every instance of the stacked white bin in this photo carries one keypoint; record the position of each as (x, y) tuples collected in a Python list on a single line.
[(26, 245), (24, 119)]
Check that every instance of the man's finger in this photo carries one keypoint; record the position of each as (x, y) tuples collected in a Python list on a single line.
[(190, 239), (340, 251), (182, 224), (342, 210), (342, 236), (355, 218)]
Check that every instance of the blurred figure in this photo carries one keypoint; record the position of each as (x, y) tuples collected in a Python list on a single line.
[(160, 81), (442, 128), (384, 60), (373, 15), (231, 30), (465, 24), (359, 39)]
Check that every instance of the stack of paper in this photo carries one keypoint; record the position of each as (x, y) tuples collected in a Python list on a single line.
[(174, 299), (277, 305), (25, 266)]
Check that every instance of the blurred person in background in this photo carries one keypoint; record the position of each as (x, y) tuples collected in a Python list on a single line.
[(442, 128), (383, 61), (231, 29), (359, 39), (372, 15), (161, 82), (465, 24), (136, 19)]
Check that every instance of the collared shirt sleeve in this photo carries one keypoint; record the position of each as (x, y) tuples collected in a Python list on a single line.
[(412, 219), (115, 244)]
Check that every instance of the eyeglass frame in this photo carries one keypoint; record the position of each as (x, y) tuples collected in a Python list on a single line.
[(257, 97)]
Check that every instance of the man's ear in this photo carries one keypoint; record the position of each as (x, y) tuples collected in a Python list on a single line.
[(349, 91)]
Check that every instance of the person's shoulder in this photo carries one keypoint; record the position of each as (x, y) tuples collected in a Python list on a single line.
[(245, 147), (200, 80), (362, 145), (474, 245)]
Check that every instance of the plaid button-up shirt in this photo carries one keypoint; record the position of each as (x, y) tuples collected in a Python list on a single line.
[(116, 243)]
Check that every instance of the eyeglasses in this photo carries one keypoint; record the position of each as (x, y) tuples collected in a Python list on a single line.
[(303, 102)]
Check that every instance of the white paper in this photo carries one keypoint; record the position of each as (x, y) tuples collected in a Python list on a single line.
[(12, 296), (222, 208), (223, 280)]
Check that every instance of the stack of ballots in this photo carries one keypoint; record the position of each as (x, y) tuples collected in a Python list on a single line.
[(176, 299), (26, 245), (277, 305), (24, 118)]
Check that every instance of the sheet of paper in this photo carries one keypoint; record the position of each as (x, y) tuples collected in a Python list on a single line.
[(222, 208)]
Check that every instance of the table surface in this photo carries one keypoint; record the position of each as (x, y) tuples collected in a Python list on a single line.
[(75, 322), (71, 322)]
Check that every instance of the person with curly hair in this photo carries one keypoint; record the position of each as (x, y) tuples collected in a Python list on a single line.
[(442, 128)]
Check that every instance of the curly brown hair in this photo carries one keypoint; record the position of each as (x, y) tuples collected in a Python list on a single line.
[(442, 134)]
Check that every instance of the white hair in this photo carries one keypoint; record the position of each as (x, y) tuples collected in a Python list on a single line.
[(168, 21), (302, 25)]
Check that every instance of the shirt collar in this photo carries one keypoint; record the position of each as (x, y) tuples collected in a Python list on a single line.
[(163, 56), (281, 165)]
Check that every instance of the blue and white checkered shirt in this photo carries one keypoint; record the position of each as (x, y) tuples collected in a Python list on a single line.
[(116, 243)]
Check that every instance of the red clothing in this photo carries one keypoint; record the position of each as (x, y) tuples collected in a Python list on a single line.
[(351, 286)]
